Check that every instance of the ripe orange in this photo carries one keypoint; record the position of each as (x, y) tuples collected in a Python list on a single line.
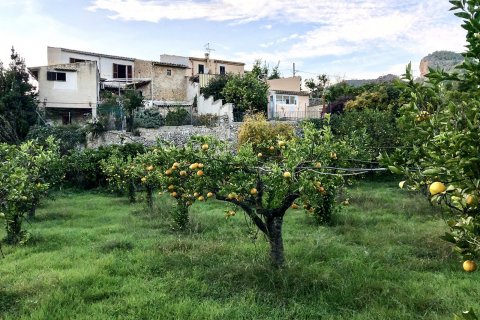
[(294, 206), (168, 172), (209, 195), (318, 165), (200, 165), (259, 155), (200, 173), (205, 147), (253, 191), (469, 266), (436, 188), (171, 187), (470, 199), (231, 196), (201, 198), (193, 166), (174, 194), (150, 168), (281, 143), (183, 173), (196, 194)]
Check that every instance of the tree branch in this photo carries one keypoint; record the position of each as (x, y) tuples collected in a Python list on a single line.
[(250, 212)]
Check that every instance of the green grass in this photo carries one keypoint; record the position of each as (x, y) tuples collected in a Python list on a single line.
[(94, 256)]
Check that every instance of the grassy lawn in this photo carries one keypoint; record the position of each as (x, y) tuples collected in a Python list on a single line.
[(94, 256)]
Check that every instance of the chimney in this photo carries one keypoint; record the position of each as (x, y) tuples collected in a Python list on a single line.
[(207, 55)]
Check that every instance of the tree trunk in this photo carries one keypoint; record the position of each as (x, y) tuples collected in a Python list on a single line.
[(131, 192), (274, 228), (150, 197), (31, 212), (14, 229)]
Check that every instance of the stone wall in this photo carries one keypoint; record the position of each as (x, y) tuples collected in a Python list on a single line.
[(179, 135), (227, 131)]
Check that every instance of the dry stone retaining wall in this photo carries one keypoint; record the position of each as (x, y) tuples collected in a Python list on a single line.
[(178, 135)]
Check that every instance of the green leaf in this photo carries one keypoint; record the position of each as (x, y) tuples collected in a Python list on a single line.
[(395, 170)]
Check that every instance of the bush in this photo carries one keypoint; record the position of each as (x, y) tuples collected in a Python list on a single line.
[(83, 167), (207, 120), (179, 117), (148, 118), (263, 134), (71, 137)]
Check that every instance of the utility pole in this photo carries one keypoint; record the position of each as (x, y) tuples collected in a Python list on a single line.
[(294, 69)]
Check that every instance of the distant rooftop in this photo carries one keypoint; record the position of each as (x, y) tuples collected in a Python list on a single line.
[(95, 54)]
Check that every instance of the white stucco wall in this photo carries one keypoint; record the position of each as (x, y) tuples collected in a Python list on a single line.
[(80, 90), (105, 64)]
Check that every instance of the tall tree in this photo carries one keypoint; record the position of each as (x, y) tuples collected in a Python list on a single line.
[(18, 106), (247, 93), (131, 101)]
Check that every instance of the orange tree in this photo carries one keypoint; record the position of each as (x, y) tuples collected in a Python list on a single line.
[(441, 133), (27, 173), (307, 169)]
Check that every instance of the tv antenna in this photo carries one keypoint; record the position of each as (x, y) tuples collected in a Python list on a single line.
[(208, 49)]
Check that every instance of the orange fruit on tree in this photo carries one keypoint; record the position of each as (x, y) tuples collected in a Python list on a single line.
[(469, 265), (318, 165), (196, 194), (204, 147), (150, 168), (183, 173), (470, 199), (200, 165), (168, 172), (253, 191), (436, 188), (193, 166), (272, 148), (209, 195), (294, 206), (287, 174), (259, 155), (174, 194), (201, 198), (200, 173)]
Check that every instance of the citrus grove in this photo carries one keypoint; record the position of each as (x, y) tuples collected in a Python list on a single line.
[(287, 172), (27, 173), (440, 155)]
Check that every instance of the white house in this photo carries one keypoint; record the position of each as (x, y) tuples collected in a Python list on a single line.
[(68, 92), (286, 100)]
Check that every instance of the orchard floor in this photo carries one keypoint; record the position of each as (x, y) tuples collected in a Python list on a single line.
[(94, 256)]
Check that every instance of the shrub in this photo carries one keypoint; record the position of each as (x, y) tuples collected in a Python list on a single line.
[(177, 118), (69, 137), (256, 130), (148, 118), (207, 120)]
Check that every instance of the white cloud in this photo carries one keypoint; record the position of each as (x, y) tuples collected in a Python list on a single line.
[(33, 33)]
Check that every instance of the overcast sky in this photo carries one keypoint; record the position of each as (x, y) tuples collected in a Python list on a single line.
[(351, 39)]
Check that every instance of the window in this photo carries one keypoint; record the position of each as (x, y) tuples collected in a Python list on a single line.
[(201, 68), (56, 76), (35, 74), (121, 71), (75, 60), (284, 99), (222, 70), (169, 72)]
